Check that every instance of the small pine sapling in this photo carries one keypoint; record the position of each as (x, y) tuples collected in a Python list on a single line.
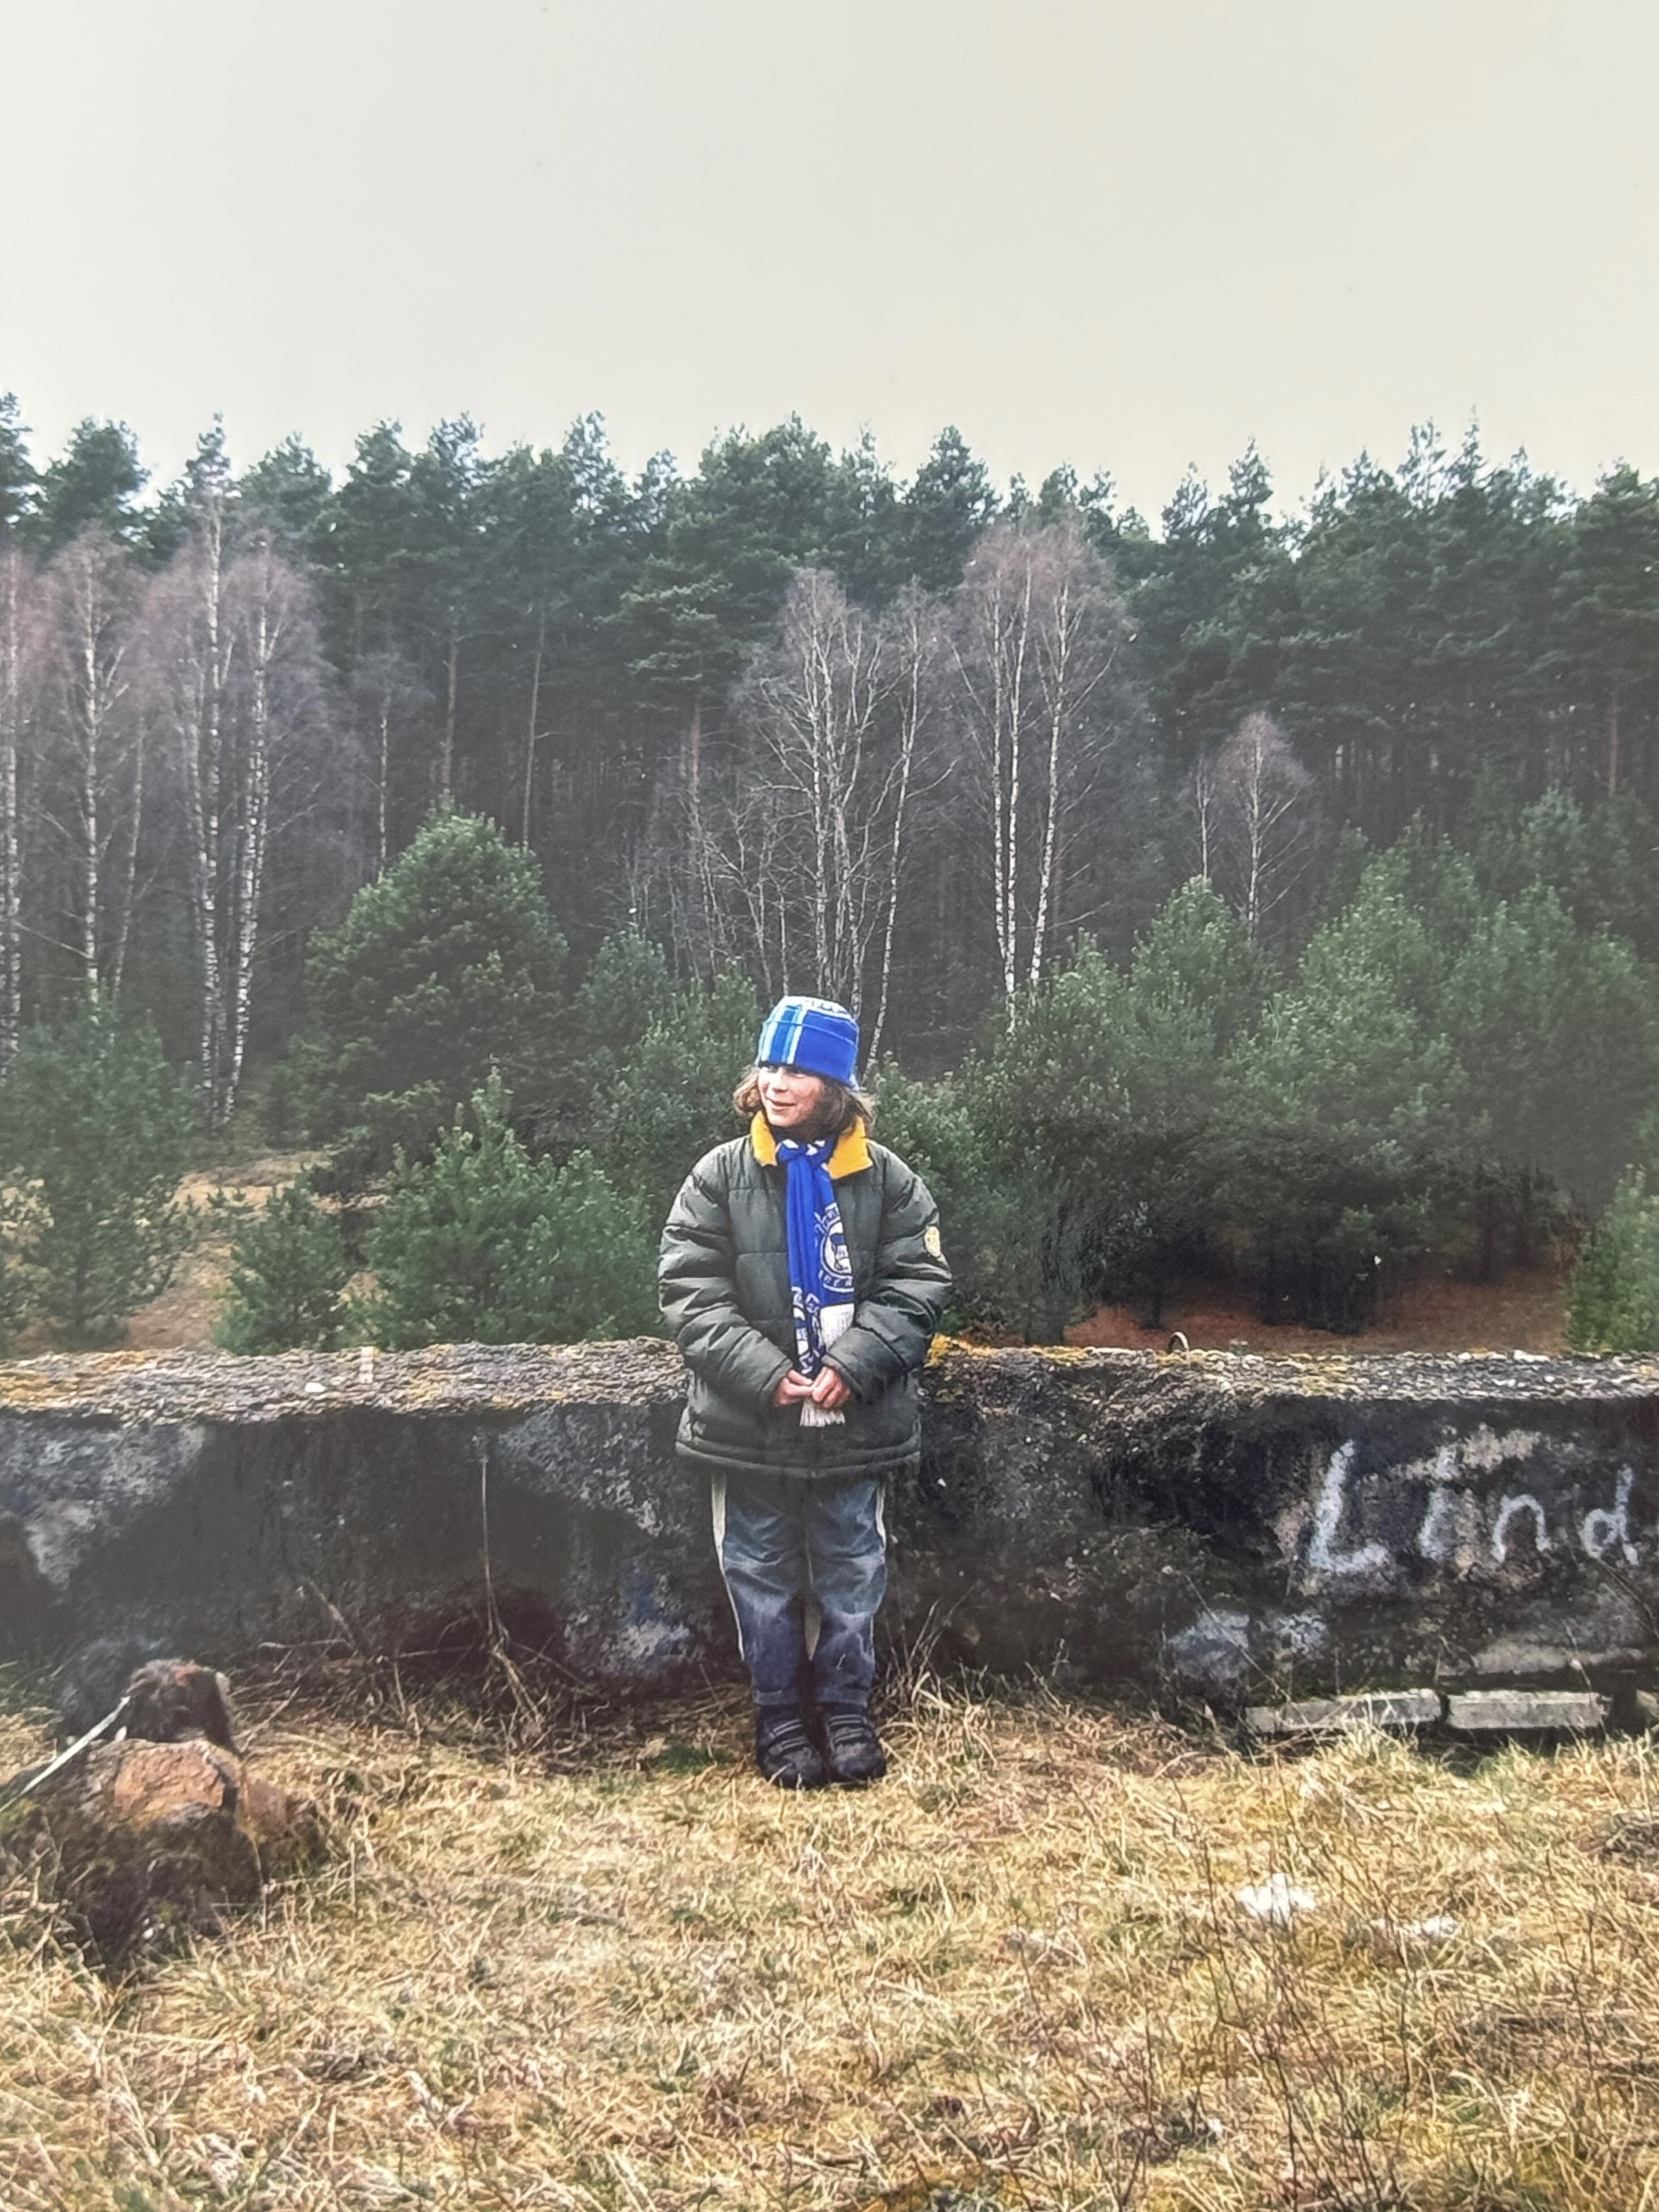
[(1612, 1301), (288, 1273), (484, 1245), (94, 1125)]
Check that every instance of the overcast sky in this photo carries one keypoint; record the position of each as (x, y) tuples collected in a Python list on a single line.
[(1130, 236)]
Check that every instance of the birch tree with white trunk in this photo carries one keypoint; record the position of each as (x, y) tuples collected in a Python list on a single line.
[(24, 629), (192, 642), (1263, 808), (1201, 795), (391, 708), (236, 690), (1037, 634), (825, 800), (97, 797), (915, 630), (702, 875), (275, 696)]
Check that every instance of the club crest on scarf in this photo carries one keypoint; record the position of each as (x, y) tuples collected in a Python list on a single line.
[(820, 1266), (834, 1262)]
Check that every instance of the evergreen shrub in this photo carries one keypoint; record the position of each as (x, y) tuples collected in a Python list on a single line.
[(484, 1245), (1350, 1127), (94, 1125), (1612, 1301), (658, 1091), (1076, 1156), (288, 1272), (1014, 1242), (447, 965)]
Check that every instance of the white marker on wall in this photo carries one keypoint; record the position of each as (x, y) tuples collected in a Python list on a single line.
[(1371, 1560)]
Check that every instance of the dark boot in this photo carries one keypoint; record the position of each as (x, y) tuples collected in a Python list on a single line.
[(784, 1751), (856, 1753)]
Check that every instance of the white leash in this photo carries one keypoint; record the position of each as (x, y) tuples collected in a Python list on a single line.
[(57, 1765)]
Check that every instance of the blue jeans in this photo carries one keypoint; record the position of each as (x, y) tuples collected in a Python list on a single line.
[(805, 1568)]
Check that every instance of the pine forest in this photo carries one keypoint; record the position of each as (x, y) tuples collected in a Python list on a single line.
[(1261, 895)]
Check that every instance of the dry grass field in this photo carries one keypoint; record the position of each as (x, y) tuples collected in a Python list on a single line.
[(613, 1970)]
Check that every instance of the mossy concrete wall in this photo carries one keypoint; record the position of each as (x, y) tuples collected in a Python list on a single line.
[(1228, 1525)]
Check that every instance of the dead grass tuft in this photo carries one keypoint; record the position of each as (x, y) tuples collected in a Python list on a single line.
[(618, 1972)]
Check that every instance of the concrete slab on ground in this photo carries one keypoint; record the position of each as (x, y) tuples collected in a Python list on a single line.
[(1526, 1712), (1398, 1711)]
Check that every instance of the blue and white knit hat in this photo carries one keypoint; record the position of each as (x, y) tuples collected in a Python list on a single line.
[(815, 1035)]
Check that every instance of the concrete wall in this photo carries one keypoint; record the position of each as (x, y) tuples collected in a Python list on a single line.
[(1229, 1525)]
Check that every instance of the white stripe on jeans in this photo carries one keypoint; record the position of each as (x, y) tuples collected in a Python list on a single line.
[(717, 1505)]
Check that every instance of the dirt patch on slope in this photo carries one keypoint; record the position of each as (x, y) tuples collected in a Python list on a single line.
[(1523, 1313), (182, 1318)]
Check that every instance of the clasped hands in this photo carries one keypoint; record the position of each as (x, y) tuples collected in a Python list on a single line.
[(825, 1388)]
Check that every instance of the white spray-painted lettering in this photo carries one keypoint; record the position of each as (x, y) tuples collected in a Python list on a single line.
[(1458, 1525), (1511, 1509), (1370, 1561), (1605, 1528), (1447, 1527)]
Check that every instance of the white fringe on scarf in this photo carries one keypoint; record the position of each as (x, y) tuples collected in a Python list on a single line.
[(833, 1322)]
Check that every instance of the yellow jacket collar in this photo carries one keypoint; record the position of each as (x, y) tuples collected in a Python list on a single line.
[(850, 1155)]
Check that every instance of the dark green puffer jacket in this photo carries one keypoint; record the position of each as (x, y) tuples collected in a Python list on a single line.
[(723, 1281)]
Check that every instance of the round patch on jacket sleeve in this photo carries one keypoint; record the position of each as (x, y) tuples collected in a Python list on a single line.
[(933, 1241)]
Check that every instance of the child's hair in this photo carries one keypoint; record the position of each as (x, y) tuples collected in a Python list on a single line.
[(843, 1110)]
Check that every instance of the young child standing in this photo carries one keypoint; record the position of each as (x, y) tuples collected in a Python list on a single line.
[(803, 1277)]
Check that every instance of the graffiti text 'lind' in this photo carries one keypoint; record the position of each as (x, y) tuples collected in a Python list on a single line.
[(1463, 1522)]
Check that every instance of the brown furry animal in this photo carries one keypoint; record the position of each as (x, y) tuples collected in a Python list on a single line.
[(172, 1700), (169, 1700), (152, 1833)]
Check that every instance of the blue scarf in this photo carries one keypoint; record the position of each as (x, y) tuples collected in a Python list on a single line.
[(820, 1268)]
